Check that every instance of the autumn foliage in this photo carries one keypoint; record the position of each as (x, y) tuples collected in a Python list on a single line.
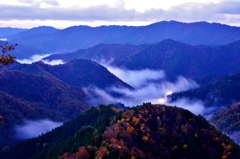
[(6, 59), (159, 131)]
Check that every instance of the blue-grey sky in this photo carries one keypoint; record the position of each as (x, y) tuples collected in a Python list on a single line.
[(65, 13)]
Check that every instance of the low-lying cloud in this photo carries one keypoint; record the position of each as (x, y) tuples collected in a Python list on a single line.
[(196, 107), (136, 78), (53, 62), (3, 39), (150, 86), (32, 59), (36, 58), (30, 129), (206, 11), (235, 135)]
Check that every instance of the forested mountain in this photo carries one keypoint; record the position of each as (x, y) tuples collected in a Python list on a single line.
[(86, 128), (27, 96), (148, 131), (228, 121), (15, 110), (49, 92), (195, 61), (107, 52), (81, 37), (198, 62), (220, 92), (78, 73)]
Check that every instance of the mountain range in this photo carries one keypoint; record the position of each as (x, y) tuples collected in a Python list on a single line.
[(198, 62), (205, 52), (81, 37), (5, 32)]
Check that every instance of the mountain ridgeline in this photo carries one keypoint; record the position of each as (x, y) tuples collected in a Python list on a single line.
[(82, 37), (198, 62), (5, 32)]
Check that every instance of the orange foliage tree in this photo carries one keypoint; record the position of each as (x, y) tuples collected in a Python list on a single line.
[(5, 58)]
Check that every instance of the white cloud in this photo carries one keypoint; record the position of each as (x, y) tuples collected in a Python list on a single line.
[(120, 12), (53, 62), (196, 107), (154, 92), (36, 58), (136, 78), (32, 59), (31, 129), (3, 39), (147, 90)]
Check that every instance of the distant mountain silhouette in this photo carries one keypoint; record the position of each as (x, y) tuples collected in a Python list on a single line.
[(36, 31), (106, 52), (25, 52), (81, 37), (8, 31)]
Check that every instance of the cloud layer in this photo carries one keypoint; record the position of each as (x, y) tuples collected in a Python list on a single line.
[(222, 11), (36, 58), (136, 78), (150, 86), (31, 129)]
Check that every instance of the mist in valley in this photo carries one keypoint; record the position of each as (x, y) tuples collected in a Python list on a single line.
[(34, 128), (149, 86), (36, 58)]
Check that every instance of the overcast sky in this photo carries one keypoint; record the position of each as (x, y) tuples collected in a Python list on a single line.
[(65, 13)]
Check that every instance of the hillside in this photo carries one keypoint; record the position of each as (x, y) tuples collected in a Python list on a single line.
[(82, 37), (148, 131), (75, 130), (199, 62), (107, 52), (46, 92), (79, 73), (220, 92), (15, 110), (196, 61), (228, 121), (27, 96)]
